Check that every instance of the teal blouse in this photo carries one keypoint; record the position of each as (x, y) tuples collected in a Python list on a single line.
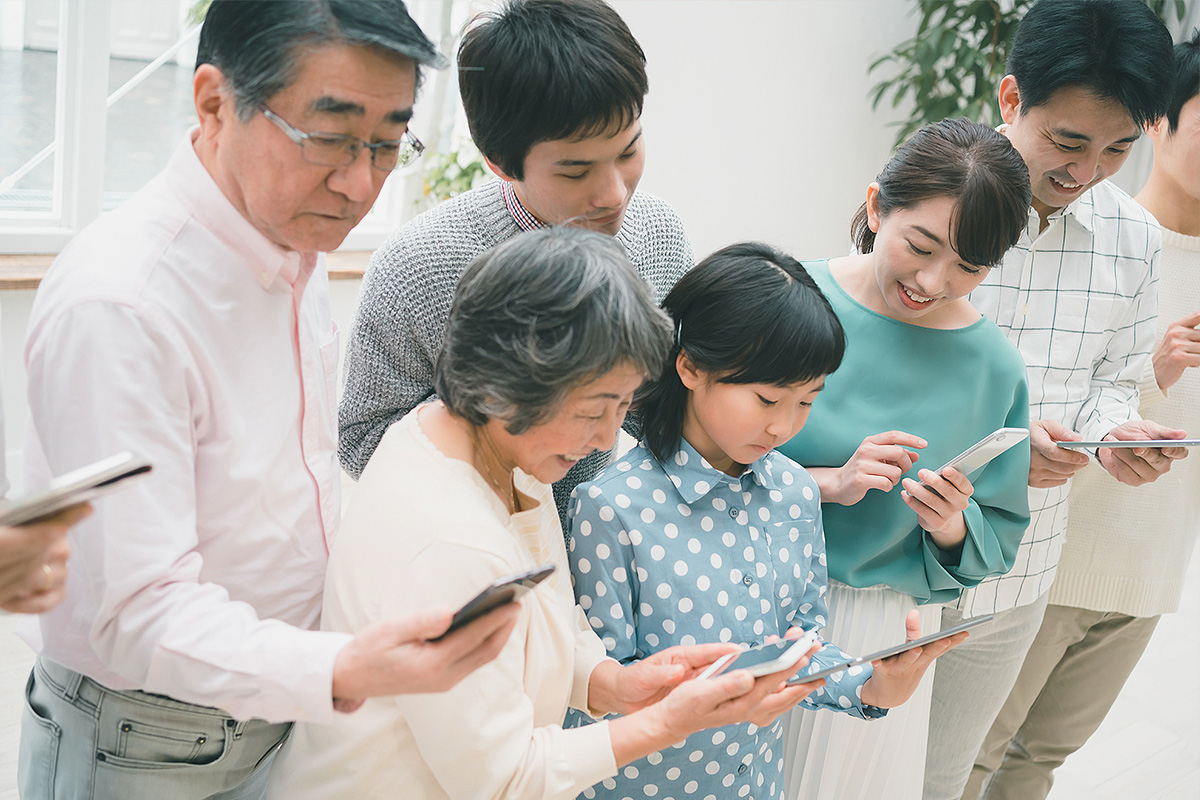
[(951, 388)]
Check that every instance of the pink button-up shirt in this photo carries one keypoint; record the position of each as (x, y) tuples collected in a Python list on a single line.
[(173, 328)]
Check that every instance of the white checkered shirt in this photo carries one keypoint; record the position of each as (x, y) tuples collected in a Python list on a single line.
[(1079, 301)]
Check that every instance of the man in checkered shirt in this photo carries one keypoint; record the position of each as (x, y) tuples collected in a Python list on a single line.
[(1078, 297)]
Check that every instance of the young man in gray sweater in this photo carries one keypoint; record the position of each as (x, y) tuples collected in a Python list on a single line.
[(553, 93)]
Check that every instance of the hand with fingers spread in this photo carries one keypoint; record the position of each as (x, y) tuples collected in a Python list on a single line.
[(878, 463), (896, 678), (33, 562), (1178, 350), (939, 502), (396, 656), (1049, 464), (1135, 466)]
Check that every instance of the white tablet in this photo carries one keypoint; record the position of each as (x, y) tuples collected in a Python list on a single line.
[(1130, 443), (72, 489)]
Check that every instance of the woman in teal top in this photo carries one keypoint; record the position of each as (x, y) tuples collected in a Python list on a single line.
[(924, 377)]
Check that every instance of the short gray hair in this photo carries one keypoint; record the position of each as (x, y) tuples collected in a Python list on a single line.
[(538, 315), (256, 43)]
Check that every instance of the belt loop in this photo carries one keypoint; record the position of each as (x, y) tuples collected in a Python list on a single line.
[(74, 681)]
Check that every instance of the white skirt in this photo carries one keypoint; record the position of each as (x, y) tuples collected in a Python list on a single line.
[(832, 756)]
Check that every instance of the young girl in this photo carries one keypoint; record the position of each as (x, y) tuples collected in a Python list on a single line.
[(705, 533), (924, 371)]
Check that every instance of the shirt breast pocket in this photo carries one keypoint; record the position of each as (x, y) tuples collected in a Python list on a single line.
[(795, 544), (1082, 324)]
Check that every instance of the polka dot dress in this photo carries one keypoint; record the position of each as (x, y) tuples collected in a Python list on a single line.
[(682, 554)]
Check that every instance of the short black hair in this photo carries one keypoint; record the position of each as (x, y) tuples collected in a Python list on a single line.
[(541, 70), (1187, 77), (972, 163), (746, 314), (254, 42), (1116, 49)]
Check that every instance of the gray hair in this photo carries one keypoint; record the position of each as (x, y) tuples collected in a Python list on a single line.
[(255, 43), (538, 315)]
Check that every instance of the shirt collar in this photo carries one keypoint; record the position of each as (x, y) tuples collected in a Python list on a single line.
[(209, 206), (694, 477), (525, 221)]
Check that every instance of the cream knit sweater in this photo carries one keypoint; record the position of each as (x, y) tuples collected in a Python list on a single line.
[(1127, 548)]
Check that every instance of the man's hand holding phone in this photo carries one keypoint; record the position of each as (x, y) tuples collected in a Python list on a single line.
[(1135, 466), (1049, 464)]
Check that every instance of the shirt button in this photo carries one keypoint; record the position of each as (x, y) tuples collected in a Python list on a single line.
[(747, 580), (733, 512), (742, 769)]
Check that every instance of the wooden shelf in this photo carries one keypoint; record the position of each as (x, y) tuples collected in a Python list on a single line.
[(23, 272)]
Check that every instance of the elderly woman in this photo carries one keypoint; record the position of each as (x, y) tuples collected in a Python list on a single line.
[(548, 338)]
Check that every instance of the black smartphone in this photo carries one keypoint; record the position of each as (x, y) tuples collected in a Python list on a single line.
[(501, 592)]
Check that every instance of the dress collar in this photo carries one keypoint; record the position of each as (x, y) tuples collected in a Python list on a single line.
[(694, 477)]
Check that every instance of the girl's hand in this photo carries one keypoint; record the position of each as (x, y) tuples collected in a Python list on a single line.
[(896, 678), (878, 463), (939, 504)]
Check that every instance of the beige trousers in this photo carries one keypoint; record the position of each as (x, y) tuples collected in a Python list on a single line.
[(1074, 671)]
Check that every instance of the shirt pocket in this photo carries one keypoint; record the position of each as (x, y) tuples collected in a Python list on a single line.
[(795, 543), (1083, 324)]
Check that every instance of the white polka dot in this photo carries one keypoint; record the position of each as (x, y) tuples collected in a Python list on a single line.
[(601, 590), (719, 504), (681, 458), (727, 781), (671, 530), (821, 559), (693, 545), (718, 737), (642, 574), (606, 513), (635, 537), (659, 496), (619, 574), (672, 773), (758, 628), (732, 748), (763, 513), (808, 493), (583, 566), (647, 515), (684, 510), (766, 606), (760, 569), (701, 487), (646, 610), (695, 756), (722, 598), (784, 555), (681, 568), (657, 552), (706, 621), (728, 539), (685, 604), (602, 550), (669, 625), (715, 560), (783, 590), (808, 549), (725, 635), (702, 583), (616, 612), (585, 528), (610, 643), (748, 554), (690, 787), (776, 496), (855, 670), (675, 480), (655, 758), (593, 491), (844, 702), (745, 790), (622, 500), (739, 613), (706, 523), (652, 639), (794, 511), (631, 772), (787, 478), (633, 482), (663, 591), (585, 602), (687, 640)]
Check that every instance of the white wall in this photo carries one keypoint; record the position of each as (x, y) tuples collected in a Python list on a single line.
[(758, 121)]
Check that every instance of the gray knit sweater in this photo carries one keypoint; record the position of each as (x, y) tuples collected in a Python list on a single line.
[(405, 301)]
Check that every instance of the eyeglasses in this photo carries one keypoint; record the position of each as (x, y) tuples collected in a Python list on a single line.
[(340, 149)]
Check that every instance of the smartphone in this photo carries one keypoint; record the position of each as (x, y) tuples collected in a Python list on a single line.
[(1131, 443), (764, 659), (977, 455), (894, 650), (501, 592), (73, 488)]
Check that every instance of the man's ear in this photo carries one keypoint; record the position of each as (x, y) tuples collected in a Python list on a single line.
[(214, 102), (1158, 129), (498, 172), (1010, 99)]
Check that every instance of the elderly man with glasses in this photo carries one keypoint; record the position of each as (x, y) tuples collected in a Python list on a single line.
[(192, 326)]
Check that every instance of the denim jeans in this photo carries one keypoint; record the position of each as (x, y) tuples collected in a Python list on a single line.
[(81, 740)]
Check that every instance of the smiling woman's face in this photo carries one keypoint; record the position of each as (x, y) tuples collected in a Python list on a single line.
[(588, 420)]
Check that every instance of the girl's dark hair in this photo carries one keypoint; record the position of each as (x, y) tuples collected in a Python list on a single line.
[(972, 163), (746, 314)]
